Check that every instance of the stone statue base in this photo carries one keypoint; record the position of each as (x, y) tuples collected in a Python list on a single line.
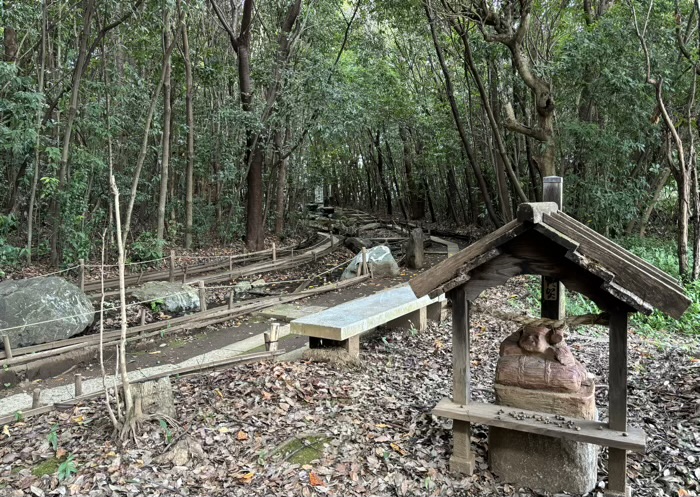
[(540, 462)]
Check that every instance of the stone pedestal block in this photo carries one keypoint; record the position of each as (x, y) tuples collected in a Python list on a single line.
[(540, 462)]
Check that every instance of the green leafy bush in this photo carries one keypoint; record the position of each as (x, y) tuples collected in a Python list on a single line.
[(146, 248)]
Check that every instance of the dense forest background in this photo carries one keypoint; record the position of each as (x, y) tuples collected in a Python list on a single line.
[(219, 118)]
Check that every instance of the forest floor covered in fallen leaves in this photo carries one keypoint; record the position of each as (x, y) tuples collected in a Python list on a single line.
[(368, 428)]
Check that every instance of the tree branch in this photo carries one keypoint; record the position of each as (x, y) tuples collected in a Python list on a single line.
[(231, 35)]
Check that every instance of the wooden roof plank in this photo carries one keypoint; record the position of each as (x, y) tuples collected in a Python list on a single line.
[(636, 279), (450, 268), (616, 249)]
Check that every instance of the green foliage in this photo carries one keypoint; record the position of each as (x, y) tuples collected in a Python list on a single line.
[(147, 247), (67, 468), (166, 428), (9, 254), (53, 437), (661, 253)]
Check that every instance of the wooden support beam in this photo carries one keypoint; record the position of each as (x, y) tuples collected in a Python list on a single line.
[(462, 460), (553, 303), (542, 423), (202, 296), (274, 252), (81, 275), (617, 398), (36, 398), (364, 262), (8, 346), (78, 385), (172, 266), (272, 337)]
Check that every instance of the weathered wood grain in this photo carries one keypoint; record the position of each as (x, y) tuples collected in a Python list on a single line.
[(634, 276), (439, 274), (594, 432)]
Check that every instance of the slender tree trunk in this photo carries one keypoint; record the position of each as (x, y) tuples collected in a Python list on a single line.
[(167, 110), (281, 187), (189, 183), (658, 188), (430, 200), (37, 143), (56, 243), (378, 157), (144, 142), (458, 122)]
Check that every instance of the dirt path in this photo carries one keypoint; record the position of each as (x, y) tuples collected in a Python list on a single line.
[(300, 428), (176, 349)]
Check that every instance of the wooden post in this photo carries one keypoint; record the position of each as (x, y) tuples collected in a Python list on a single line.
[(172, 266), (202, 296), (230, 300), (8, 347), (462, 460), (81, 274), (553, 303), (78, 385), (364, 260), (330, 233), (274, 251), (36, 398), (617, 398), (414, 249), (230, 264), (272, 337), (184, 274), (143, 317)]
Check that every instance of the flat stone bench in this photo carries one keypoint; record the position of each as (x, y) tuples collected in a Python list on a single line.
[(342, 325)]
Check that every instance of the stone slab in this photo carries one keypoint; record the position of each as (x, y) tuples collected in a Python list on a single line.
[(360, 315), (290, 312), (537, 461)]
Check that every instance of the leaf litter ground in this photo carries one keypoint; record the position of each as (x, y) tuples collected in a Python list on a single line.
[(300, 428)]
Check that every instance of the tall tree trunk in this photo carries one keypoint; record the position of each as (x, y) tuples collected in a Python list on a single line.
[(430, 200), (144, 142), (56, 243), (189, 182), (167, 110), (416, 202), (281, 186), (378, 157), (37, 143), (458, 122)]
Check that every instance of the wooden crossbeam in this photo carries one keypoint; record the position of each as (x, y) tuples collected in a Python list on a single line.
[(580, 430)]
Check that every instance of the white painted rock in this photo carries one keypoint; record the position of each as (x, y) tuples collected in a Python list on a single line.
[(171, 297), (23, 302), (379, 260)]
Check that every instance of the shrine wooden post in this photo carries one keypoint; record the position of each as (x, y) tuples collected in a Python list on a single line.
[(553, 304), (462, 460)]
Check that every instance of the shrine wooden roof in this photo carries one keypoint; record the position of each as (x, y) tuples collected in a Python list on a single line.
[(544, 240)]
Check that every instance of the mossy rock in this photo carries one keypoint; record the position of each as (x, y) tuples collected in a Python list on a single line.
[(46, 467), (302, 449)]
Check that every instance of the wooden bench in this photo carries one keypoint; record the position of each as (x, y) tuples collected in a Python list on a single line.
[(342, 325)]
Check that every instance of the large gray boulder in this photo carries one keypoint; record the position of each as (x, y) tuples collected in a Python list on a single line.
[(379, 260), (53, 299), (170, 297)]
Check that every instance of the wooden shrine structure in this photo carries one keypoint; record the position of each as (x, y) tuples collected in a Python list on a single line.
[(543, 240)]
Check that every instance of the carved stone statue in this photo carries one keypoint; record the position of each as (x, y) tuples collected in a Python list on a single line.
[(537, 358)]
